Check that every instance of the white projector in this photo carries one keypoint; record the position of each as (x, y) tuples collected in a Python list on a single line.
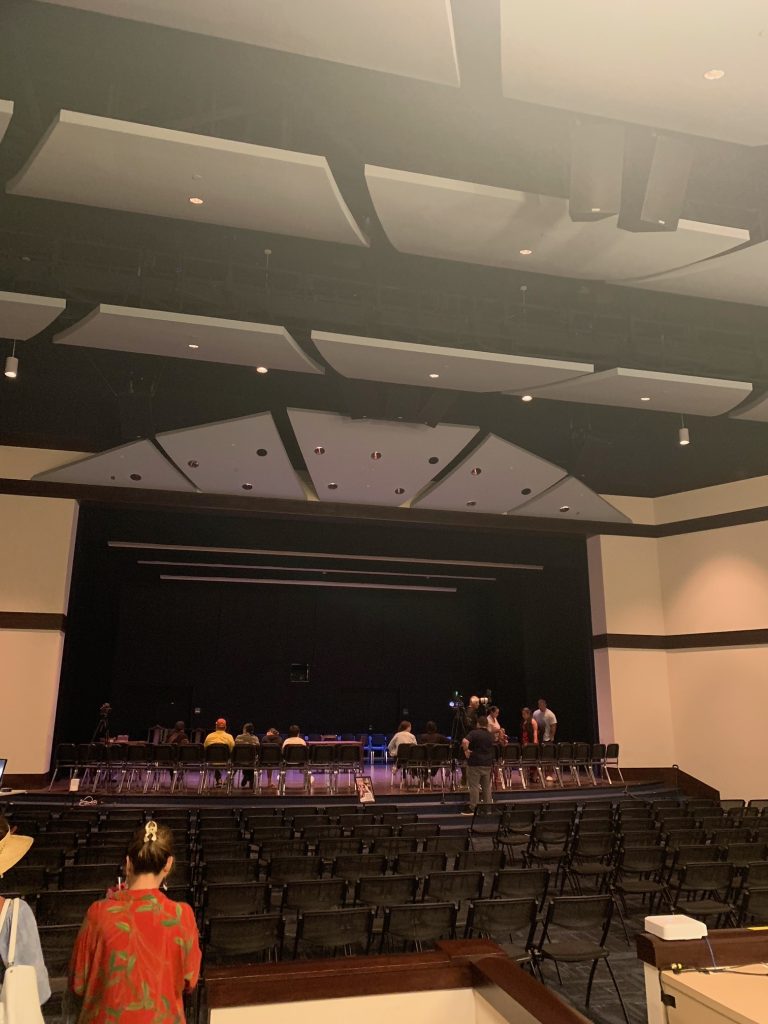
[(675, 926)]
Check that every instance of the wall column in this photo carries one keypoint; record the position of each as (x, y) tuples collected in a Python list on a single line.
[(37, 537)]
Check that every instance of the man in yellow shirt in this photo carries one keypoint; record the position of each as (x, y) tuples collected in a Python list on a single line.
[(219, 735)]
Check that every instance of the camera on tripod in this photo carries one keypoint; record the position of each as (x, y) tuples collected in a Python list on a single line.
[(456, 703)]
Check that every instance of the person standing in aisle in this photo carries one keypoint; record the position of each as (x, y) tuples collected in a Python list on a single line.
[(479, 749)]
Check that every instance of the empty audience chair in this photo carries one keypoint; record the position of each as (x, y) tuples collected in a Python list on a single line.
[(416, 925), (323, 932), (502, 921), (244, 939), (563, 939)]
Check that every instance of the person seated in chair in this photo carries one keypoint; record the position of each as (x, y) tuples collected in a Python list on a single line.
[(178, 735), (294, 739), (431, 735), (247, 738), (271, 738), (219, 735)]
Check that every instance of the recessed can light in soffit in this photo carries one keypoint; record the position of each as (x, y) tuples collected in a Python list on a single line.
[(434, 376), (399, 490), (645, 398), (526, 252), (196, 200), (319, 450), (262, 369), (714, 74), (192, 345), (527, 398), (565, 508), (375, 456)]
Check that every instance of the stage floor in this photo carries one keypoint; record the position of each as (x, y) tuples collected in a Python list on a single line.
[(386, 783)]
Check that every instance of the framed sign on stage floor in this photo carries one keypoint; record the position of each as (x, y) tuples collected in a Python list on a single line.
[(364, 785)]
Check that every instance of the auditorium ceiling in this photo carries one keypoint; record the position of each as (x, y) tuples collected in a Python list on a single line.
[(275, 227)]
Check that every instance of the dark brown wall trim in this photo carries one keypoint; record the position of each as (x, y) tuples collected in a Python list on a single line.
[(681, 641), (33, 620), (126, 497)]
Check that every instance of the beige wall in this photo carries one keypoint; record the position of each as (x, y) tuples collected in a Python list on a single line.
[(436, 1007), (38, 537), (682, 706)]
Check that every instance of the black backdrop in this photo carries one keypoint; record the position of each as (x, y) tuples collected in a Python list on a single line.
[(158, 650)]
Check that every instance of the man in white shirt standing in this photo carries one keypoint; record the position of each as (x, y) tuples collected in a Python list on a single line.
[(546, 721)]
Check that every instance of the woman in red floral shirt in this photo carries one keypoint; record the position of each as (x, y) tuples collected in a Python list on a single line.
[(137, 951)]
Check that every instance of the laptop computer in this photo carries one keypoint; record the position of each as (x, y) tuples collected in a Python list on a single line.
[(3, 763)]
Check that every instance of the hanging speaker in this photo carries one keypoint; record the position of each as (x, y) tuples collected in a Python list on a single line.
[(597, 161), (656, 172)]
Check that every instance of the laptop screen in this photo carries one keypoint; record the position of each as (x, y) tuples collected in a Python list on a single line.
[(3, 763)]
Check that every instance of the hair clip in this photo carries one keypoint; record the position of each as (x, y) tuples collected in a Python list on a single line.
[(150, 832)]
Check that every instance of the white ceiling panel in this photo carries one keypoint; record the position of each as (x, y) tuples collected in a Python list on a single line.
[(24, 316), (139, 465), (668, 392), (738, 276), (433, 366), (499, 227), (6, 113), (495, 477), (571, 499), (204, 339), (642, 61), (242, 456), (397, 36), (756, 411), (409, 455), (99, 161)]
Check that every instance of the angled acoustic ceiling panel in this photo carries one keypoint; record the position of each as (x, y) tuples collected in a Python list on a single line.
[(6, 113), (120, 165), (372, 462), (434, 366), (500, 227), (593, 56), (24, 316), (571, 499), (495, 477), (757, 411), (648, 389), (397, 36), (139, 465), (241, 456), (201, 338), (738, 276)]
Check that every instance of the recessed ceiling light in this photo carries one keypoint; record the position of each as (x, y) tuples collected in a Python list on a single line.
[(375, 456), (645, 398), (471, 504), (261, 369), (135, 476), (193, 463), (332, 487), (247, 487), (527, 398), (319, 450), (565, 508), (433, 460), (714, 74), (434, 376), (196, 200), (192, 345), (399, 490), (526, 252), (595, 209), (261, 452), (476, 471), (526, 490)]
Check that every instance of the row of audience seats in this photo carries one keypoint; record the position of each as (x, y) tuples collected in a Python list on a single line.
[(272, 882)]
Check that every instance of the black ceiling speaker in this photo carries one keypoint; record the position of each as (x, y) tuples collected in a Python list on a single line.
[(597, 162), (656, 172)]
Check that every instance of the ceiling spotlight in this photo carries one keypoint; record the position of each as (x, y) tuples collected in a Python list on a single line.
[(375, 456), (261, 452), (192, 345), (433, 460), (261, 369), (526, 490), (595, 209), (683, 436), (476, 471), (332, 487), (399, 490), (527, 398), (645, 398), (247, 487), (196, 200), (526, 252), (714, 74), (565, 508), (319, 450), (193, 464), (471, 504), (11, 367), (135, 476), (434, 376)]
